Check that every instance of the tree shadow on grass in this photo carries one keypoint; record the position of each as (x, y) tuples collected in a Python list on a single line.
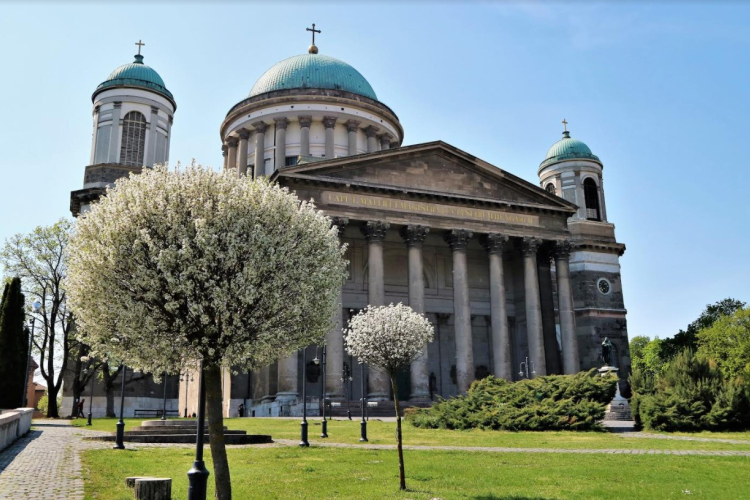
[(511, 497)]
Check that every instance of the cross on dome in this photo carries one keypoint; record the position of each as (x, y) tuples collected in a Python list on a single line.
[(313, 49), (565, 125), (141, 44)]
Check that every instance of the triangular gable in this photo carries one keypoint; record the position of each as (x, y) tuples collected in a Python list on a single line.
[(434, 167)]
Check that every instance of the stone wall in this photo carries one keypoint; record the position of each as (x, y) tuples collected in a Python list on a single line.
[(13, 425)]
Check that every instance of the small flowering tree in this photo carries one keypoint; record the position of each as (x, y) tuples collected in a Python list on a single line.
[(389, 338), (173, 268)]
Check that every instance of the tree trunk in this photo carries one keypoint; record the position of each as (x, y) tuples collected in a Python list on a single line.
[(52, 411), (111, 401), (214, 407), (401, 473)]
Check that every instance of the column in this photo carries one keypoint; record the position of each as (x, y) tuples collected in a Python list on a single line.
[(244, 136), (304, 128), (329, 122), (501, 345), (571, 362), (352, 127), (552, 359), (394, 145), (414, 236), (169, 137), (335, 338), (281, 124), (232, 154), (114, 135), (458, 239), (385, 141), (374, 232), (224, 149), (152, 126), (372, 142), (287, 371), (534, 332), (260, 149)]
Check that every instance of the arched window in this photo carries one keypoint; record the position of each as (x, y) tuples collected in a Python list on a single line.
[(591, 195), (550, 188), (133, 139)]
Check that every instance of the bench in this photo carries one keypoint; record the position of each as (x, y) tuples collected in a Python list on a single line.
[(154, 413)]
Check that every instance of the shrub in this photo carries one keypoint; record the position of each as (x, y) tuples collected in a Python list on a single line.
[(554, 402), (691, 395)]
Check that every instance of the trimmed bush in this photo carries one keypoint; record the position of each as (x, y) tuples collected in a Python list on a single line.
[(690, 395), (554, 402)]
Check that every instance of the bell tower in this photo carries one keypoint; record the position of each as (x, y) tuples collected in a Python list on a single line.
[(133, 115)]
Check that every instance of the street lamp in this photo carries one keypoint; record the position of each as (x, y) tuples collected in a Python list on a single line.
[(303, 425), (164, 401), (324, 426), (198, 475), (188, 377), (525, 368), (346, 378), (91, 396), (35, 307), (119, 445), (363, 423)]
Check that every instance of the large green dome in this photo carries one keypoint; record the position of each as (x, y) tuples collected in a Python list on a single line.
[(313, 71), (568, 148), (136, 74)]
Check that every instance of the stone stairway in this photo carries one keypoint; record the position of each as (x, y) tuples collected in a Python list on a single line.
[(181, 431)]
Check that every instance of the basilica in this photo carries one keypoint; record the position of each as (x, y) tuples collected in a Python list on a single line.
[(520, 280)]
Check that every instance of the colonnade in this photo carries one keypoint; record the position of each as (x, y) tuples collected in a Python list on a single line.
[(235, 149), (494, 243)]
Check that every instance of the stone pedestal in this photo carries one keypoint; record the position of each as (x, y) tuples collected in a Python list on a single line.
[(619, 407)]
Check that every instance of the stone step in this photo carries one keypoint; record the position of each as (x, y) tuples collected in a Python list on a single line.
[(182, 428), (189, 438), (192, 432)]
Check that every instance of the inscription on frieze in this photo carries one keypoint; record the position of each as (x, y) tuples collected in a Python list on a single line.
[(422, 208)]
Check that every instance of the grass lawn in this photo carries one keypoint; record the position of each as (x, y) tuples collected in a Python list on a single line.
[(345, 431), (331, 473)]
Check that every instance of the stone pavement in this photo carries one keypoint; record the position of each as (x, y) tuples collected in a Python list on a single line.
[(44, 464), (587, 451)]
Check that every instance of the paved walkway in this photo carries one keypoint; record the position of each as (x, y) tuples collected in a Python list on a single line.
[(44, 464), (648, 435), (586, 451)]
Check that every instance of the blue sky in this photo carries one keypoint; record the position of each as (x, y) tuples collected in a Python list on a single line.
[(658, 90)]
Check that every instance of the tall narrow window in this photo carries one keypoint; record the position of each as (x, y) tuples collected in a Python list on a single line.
[(133, 139), (591, 194), (550, 188)]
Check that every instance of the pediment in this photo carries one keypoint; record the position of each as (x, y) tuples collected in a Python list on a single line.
[(432, 168)]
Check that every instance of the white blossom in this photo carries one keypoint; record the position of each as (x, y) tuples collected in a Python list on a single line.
[(388, 337), (172, 266)]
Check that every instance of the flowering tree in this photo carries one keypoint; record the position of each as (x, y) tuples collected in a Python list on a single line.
[(390, 338), (172, 268)]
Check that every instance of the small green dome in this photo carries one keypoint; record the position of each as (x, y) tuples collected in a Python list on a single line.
[(313, 71), (136, 74), (568, 148)]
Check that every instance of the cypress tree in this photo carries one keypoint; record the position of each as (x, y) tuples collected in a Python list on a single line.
[(13, 346)]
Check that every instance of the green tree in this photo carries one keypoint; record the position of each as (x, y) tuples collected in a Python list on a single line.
[(637, 346), (39, 259), (688, 339), (727, 343), (14, 349)]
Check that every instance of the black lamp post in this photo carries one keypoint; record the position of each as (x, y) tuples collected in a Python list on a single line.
[(303, 425), (188, 378), (346, 378), (324, 427), (35, 307), (164, 401), (363, 424), (198, 475), (91, 396), (119, 445)]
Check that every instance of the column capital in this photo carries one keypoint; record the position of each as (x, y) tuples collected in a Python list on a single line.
[(260, 127), (458, 239), (494, 242), (224, 148), (393, 145), (244, 133), (562, 249), (118, 104), (232, 142), (154, 110), (375, 230), (340, 224), (352, 125), (305, 121), (171, 119), (530, 245), (371, 131), (414, 234), (281, 123), (329, 121), (386, 139)]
